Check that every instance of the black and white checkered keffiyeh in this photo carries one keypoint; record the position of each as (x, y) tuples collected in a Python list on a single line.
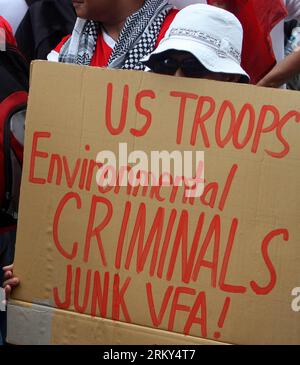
[(137, 39)]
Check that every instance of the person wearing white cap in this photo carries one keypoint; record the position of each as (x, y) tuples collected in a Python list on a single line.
[(203, 41)]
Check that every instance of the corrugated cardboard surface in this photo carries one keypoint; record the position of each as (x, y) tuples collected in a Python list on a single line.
[(33, 324), (70, 103)]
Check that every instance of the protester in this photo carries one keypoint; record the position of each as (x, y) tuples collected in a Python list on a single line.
[(198, 57), (258, 18), (203, 41), (115, 34), (282, 72)]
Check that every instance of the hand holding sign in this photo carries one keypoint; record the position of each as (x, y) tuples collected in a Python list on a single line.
[(150, 256), (10, 280)]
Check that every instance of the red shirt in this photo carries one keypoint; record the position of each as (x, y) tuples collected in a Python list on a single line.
[(104, 50)]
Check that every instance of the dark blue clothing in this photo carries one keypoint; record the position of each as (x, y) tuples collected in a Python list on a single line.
[(7, 252)]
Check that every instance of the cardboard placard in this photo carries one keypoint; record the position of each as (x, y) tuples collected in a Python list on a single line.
[(219, 267)]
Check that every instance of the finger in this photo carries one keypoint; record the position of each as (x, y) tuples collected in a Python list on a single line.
[(7, 290), (12, 282), (8, 275), (9, 267)]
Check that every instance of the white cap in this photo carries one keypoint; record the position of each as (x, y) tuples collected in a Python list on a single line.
[(211, 34)]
